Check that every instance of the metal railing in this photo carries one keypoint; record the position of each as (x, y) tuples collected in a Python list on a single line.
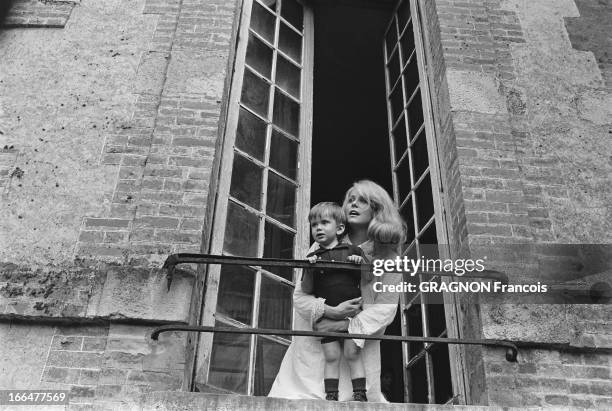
[(175, 259)]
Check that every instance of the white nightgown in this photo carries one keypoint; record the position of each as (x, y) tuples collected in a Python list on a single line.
[(301, 372)]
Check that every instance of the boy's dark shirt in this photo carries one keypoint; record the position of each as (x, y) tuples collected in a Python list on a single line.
[(336, 285)]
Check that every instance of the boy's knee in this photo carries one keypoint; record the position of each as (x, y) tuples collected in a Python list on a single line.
[(332, 358), (332, 353), (351, 352)]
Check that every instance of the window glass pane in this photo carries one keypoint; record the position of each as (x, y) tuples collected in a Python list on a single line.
[(417, 382), (262, 21), (441, 373), (283, 154), (288, 76), (411, 77), (293, 13), (403, 14), (259, 56), (270, 3), (251, 134), (286, 113), (229, 362), (424, 202), (290, 43), (236, 290), (419, 155), (241, 231), (428, 246), (246, 181), (403, 178), (400, 141), (397, 102), (278, 244), (407, 215), (281, 199), (268, 359), (415, 114), (394, 69), (275, 309), (391, 37), (255, 93), (407, 43), (414, 322), (435, 317), (429, 237)]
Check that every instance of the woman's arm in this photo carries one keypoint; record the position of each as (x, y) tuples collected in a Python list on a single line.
[(349, 308), (307, 305), (379, 307), (313, 308)]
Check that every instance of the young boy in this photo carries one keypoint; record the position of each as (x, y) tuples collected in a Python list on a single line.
[(327, 225)]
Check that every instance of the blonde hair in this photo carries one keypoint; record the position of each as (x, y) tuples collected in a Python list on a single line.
[(386, 226)]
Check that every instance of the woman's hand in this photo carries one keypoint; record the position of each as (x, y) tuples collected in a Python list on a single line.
[(334, 326), (349, 308)]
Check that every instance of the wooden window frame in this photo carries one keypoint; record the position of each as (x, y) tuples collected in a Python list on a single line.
[(208, 314), (456, 354), (209, 279)]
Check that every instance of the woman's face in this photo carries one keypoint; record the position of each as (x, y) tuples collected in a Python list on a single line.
[(358, 210)]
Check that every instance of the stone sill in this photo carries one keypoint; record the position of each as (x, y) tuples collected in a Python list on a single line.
[(162, 401)]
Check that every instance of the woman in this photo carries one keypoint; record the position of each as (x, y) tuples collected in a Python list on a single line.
[(376, 226)]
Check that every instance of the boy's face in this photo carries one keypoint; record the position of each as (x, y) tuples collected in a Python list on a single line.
[(325, 230)]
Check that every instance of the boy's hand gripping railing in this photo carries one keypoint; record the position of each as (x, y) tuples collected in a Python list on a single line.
[(173, 260)]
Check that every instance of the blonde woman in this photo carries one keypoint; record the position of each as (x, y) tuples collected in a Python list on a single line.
[(374, 224)]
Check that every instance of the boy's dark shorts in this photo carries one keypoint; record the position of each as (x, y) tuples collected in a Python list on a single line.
[(326, 340)]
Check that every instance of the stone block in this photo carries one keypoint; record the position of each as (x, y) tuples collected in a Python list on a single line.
[(143, 294), (74, 359)]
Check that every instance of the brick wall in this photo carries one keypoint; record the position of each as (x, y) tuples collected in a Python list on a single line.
[(551, 379), (524, 163), (106, 365), (108, 141), (164, 153), (107, 163)]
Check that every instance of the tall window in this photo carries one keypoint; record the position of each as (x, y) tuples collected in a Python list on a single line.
[(427, 368), (264, 192), (257, 213)]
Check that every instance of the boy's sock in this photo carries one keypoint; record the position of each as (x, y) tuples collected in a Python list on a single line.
[(331, 384), (359, 389), (359, 384), (331, 388)]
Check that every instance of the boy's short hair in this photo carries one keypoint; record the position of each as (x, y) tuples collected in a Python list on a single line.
[(327, 209)]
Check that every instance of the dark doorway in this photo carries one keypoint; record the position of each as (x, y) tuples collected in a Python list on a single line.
[(350, 122), (349, 108)]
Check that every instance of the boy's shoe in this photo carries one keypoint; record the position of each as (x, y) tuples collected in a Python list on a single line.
[(331, 396), (360, 395)]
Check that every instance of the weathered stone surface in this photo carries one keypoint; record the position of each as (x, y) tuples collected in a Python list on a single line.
[(192, 401), (143, 294), (560, 145), (196, 73), (20, 364), (471, 91), (76, 89), (103, 291)]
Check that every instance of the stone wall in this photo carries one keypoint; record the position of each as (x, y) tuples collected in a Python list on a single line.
[(101, 364), (528, 161), (109, 118), (110, 113)]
